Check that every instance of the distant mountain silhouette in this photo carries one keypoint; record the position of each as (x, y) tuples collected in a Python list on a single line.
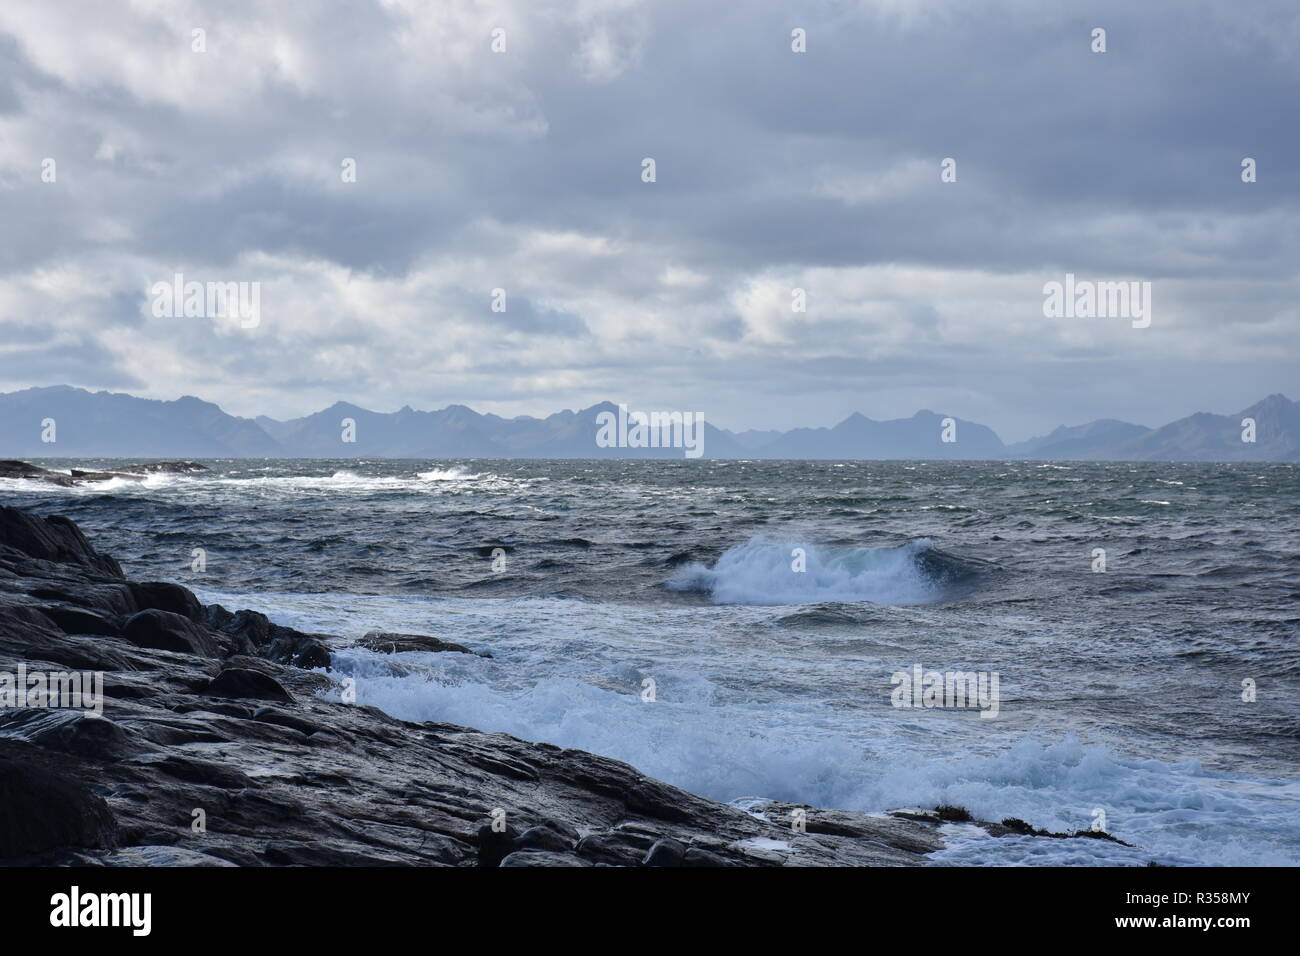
[(111, 425), (1095, 440), (453, 432), (920, 436), (1206, 437), (460, 432), (1199, 437)]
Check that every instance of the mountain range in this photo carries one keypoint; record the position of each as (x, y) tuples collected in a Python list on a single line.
[(113, 425)]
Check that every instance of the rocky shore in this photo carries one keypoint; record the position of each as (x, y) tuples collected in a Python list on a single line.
[(11, 468), (214, 748)]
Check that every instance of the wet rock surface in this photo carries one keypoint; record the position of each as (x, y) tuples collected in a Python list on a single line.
[(384, 642), (215, 748), (10, 468)]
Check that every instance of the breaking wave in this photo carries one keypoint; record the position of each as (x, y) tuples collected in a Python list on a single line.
[(767, 572)]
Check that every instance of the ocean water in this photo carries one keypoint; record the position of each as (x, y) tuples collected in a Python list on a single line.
[(1120, 691)]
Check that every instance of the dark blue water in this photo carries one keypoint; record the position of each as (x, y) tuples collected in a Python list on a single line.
[(1120, 690)]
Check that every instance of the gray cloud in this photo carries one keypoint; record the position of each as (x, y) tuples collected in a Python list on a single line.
[(776, 170)]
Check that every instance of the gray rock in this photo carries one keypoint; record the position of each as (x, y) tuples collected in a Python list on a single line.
[(54, 538), (548, 836), (165, 596), (237, 682), (166, 631), (610, 847), (667, 852), (9, 468), (164, 468), (698, 856), (542, 858), (386, 643), (45, 804)]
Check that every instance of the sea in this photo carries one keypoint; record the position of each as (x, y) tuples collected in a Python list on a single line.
[(746, 630)]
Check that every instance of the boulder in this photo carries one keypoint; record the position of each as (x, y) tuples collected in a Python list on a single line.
[(542, 858), (9, 468), (667, 852), (164, 468), (165, 596), (239, 682), (166, 631), (53, 538), (384, 642), (45, 803)]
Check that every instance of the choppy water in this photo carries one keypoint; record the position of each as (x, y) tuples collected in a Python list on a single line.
[(1120, 691)]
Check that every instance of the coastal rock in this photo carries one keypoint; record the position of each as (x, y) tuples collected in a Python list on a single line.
[(542, 858), (154, 856), (168, 632), (385, 643), (75, 620), (54, 538), (164, 468), (253, 633), (202, 720), (249, 625), (10, 468), (548, 836), (69, 732), (665, 853), (237, 682), (165, 596), (300, 650), (494, 845), (45, 804), (611, 848), (698, 856), (110, 600), (80, 475)]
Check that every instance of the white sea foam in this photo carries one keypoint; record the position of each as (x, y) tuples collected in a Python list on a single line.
[(248, 480), (152, 482), (447, 474), (1174, 813), (347, 481), (736, 719), (762, 572)]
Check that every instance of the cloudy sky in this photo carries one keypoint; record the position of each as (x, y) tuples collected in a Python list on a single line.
[(775, 170)]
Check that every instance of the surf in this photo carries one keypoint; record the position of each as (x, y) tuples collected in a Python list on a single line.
[(768, 572)]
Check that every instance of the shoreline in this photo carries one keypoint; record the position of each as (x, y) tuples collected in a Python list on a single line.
[(215, 748)]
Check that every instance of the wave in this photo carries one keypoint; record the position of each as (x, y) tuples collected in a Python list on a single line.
[(1174, 812), (112, 485), (447, 474), (829, 615), (348, 481), (765, 572), (745, 721), (343, 481)]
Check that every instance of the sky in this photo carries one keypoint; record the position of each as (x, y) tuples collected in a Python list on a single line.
[(224, 157)]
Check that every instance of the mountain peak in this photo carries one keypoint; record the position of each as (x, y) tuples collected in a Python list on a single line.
[(1275, 402), (855, 418), (116, 424)]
